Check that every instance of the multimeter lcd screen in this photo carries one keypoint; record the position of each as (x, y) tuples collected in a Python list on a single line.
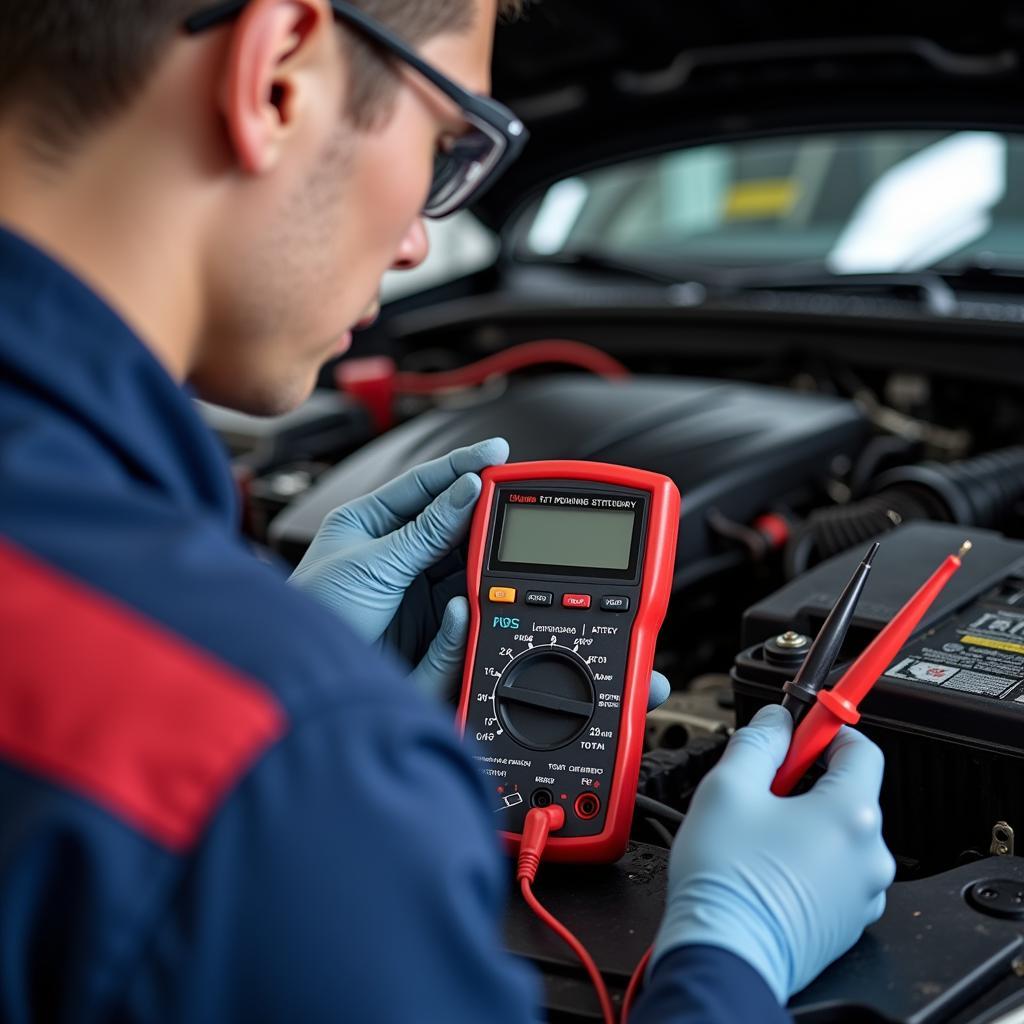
[(582, 538)]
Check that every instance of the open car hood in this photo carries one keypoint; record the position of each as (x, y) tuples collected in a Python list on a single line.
[(600, 80)]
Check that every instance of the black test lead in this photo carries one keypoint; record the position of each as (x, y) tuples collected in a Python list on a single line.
[(802, 691)]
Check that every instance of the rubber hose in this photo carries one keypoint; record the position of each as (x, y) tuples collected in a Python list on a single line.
[(830, 531), (984, 491)]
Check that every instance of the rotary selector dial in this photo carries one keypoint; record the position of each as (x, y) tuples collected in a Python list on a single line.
[(545, 697)]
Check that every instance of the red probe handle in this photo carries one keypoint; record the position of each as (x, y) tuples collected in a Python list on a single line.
[(811, 739), (878, 655), (838, 706)]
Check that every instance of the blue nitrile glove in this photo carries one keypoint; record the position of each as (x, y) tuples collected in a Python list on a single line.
[(786, 883), (369, 551)]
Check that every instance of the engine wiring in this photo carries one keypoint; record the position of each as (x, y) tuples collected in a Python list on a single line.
[(530, 354), (660, 831), (655, 807), (377, 383)]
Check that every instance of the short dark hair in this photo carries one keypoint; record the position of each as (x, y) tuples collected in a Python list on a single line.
[(72, 66), (415, 21)]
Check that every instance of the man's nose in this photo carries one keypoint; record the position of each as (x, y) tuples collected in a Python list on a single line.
[(413, 248)]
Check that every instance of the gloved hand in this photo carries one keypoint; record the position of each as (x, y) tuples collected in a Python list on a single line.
[(786, 883), (369, 551)]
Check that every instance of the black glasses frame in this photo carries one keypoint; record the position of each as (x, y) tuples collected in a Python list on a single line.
[(505, 132)]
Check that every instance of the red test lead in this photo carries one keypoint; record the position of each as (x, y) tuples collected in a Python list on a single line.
[(838, 706)]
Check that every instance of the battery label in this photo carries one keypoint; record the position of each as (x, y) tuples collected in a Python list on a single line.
[(996, 645), (981, 653)]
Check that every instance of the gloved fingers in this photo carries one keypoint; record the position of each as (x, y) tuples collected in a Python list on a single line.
[(855, 765), (875, 910), (886, 870), (659, 691), (432, 534), (756, 751), (395, 503), (440, 671)]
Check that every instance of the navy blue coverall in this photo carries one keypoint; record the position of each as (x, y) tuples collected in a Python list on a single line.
[(216, 803)]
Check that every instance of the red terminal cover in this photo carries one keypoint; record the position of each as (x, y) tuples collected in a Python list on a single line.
[(656, 587)]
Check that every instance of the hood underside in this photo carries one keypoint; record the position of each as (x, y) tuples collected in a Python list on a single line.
[(600, 80)]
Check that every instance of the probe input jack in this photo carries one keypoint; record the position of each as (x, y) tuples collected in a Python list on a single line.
[(586, 806), (541, 798)]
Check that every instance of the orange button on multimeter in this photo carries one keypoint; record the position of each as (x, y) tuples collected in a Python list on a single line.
[(555, 689)]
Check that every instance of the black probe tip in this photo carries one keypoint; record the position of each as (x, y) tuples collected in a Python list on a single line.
[(802, 692)]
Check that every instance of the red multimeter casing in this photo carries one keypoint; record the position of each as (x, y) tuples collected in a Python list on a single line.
[(569, 575)]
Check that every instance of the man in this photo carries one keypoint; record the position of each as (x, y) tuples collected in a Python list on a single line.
[(219, 799)]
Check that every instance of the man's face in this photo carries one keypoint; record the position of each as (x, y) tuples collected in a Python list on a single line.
[(297, 264)]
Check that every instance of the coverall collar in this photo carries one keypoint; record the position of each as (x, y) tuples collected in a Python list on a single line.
[(61, 341)]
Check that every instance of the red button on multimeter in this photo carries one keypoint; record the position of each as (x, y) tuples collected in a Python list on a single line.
[(555, 693)]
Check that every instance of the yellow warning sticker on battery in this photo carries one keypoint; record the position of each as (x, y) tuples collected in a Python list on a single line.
[(996, 645)]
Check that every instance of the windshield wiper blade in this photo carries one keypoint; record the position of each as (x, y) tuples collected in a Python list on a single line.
[(667, 273), (934, 292), (932, 289), (985, 269)]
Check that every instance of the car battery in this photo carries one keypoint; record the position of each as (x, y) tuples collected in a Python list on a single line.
[(948, 713)]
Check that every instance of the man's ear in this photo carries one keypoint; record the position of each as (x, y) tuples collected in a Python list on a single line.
[(274, 45)]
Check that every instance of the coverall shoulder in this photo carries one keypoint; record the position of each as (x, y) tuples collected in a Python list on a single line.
[(216, 802)]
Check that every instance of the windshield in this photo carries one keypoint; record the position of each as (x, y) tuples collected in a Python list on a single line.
[(859, 202)]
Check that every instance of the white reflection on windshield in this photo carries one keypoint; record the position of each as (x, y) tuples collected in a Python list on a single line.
[(557, 216), (925, 208)]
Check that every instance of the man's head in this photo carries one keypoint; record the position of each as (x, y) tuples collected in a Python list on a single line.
[(278, 162)]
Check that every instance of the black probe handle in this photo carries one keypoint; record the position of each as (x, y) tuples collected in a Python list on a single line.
[(802, 692), (797, 700)]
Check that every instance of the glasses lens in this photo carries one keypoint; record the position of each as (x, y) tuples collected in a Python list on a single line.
[(460, 169)]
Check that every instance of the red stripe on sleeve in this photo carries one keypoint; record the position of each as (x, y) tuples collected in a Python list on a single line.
[(98, 699)]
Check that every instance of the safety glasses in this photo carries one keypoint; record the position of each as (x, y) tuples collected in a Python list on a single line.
[(471, 162)]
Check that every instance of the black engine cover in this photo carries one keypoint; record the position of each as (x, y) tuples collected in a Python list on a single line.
[(734, 447)]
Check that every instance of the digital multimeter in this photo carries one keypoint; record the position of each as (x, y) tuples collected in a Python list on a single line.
[(570, 570)]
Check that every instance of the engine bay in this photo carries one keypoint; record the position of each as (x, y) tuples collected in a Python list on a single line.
[(793, 445), (790, 458), (784, 463)]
